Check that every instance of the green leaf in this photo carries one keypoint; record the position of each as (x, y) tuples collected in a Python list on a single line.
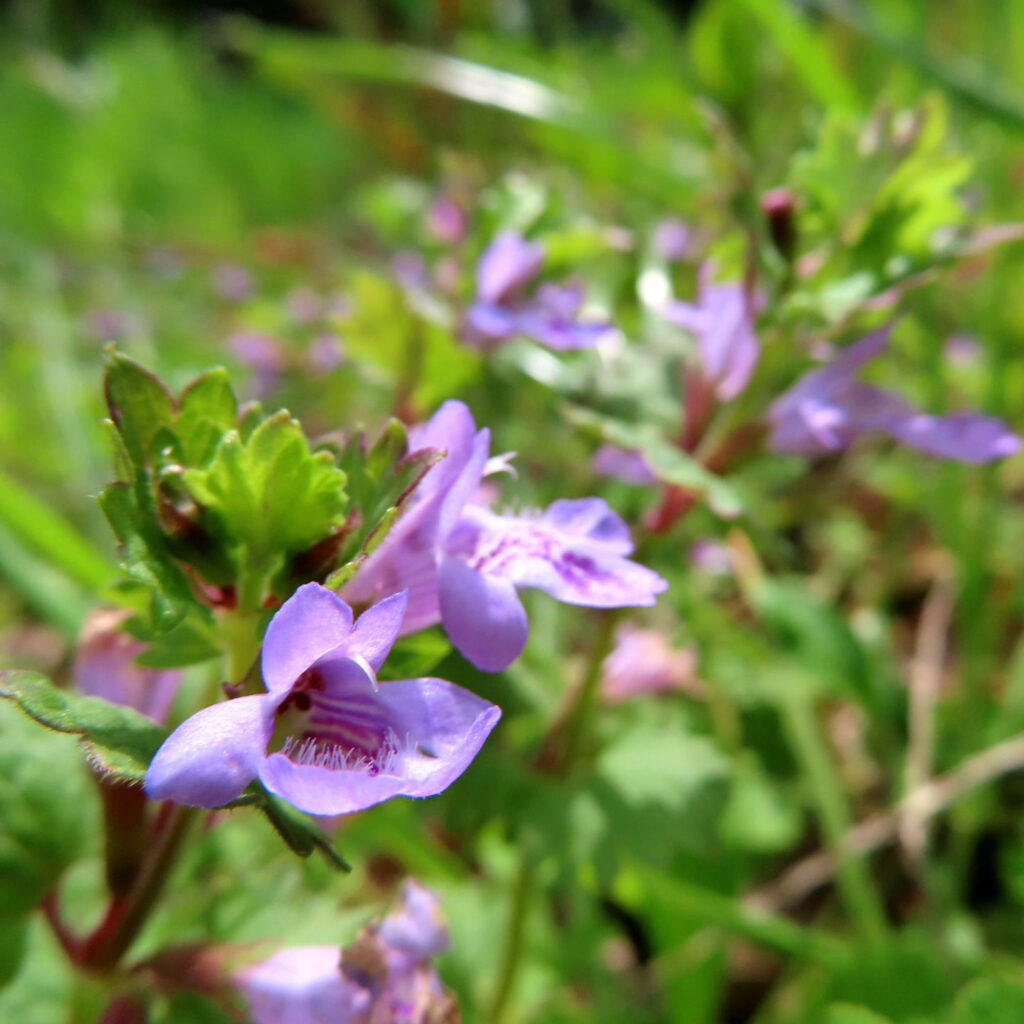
[(207, 410), (186, 1007), (139, 405), (379, 481), (816, 635), (44, 810), (845, 1013), (189, 643), (758, 816), (118, 741), (301, 834), (805, 51), (658, 772), (907, 978), (989, 1001), (270, 495), (146, 560), (13, 939)]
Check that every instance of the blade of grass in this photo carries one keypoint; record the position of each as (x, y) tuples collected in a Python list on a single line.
[(44, 589), (806, 53), (37, 525), (967, 84)]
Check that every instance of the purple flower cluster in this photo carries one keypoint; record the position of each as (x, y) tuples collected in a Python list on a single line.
[(506, 306), (723, 322), (828, 409), (384, 977), (463, 563), (326, 736)]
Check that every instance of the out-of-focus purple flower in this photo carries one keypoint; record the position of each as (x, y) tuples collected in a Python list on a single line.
[(672, 239), (410, 269), (324, 353), (411, 935), (114, 324), (304, 304), (263, 354), (303, 985), (961, 350), (503, 308), (642, 662), (105, 666), (326, 737), (232, 282), (623, 464), (462, 563), (828, 409), (447, 220), (384, 977), (416, 926), (723, 322), (710, 556)]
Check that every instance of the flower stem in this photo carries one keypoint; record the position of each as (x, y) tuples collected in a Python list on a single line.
[(582, 711), (855, 886), (124, 921), (512, 953)]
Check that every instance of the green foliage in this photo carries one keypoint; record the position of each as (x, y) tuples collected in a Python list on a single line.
[(268, 498), (666, 872), (118, 741), (989, 1002), (44, 820)]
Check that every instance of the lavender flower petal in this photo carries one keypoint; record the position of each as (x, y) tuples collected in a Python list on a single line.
[(962, 437), (723, 323), (576, 552), (507, 264), (211, 757), (416, 927), (303, 985), (375, 631), (482, 615), (629, 466), (828, 409), (428, 732), (444, 725), (310, 623)]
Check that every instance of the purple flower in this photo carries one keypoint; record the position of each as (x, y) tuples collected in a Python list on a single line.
[(828, 409), (672, 239), (447, 220), (723, 322), (304, 304), (502, 308), (463, 564), (384, 977), (105, 666), (303, 985), (416, 927), (326, 737), (263, 354), (232, 282), (642, 662), (623, 464)]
